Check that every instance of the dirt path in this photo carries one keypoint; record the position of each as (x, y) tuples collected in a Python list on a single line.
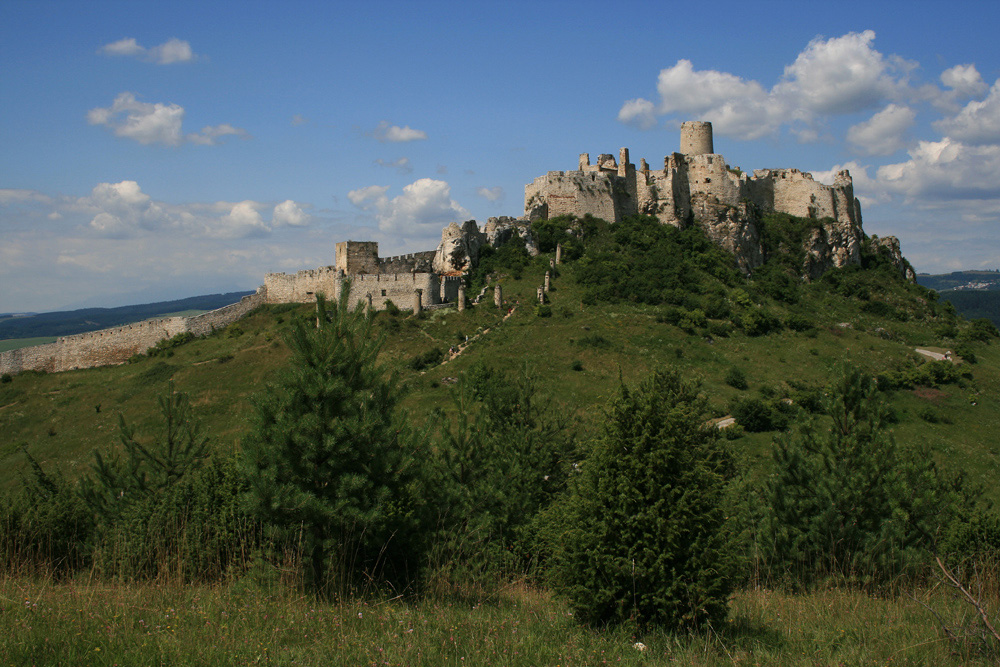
[(937, 356), (461, 348)]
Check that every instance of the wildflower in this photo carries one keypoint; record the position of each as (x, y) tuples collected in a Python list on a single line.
[(639, 646)]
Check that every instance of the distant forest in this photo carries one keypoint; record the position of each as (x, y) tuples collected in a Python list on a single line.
[(66, 323), (973, 304)]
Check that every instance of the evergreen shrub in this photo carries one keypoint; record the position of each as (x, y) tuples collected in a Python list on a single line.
[(641, 537)]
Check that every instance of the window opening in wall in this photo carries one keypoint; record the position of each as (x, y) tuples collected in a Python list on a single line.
[(383, 292)]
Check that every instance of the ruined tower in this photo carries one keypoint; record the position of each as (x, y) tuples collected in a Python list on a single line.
[(696, 138)]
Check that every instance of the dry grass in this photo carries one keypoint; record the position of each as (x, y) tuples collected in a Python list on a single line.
[(86, 622)]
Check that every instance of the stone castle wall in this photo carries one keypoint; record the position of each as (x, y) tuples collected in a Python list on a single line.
[(303, 286), (696, 186), (369, 288), (421, 262), (116, 345), (357, 257), (571, 193)]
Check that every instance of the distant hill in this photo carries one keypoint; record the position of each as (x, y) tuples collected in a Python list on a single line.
[(65, 323), (961, 280), (973, 304), (974, 294)]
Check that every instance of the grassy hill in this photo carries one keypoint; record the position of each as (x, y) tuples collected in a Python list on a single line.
[(629, 300), (579, 347)]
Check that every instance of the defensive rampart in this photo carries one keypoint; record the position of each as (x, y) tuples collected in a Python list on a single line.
[(116, 345)]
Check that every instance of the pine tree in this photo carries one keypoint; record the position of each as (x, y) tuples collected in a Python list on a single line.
[(641, 539), (497, 464), (147, 469), (845, 501), (328, 454)]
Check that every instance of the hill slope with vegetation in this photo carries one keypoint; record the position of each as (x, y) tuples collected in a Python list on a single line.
[(500, 410)]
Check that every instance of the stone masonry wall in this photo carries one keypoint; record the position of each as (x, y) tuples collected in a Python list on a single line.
[(571, 193), (114, 346), (421, 262), (357, 257), (303, 286)]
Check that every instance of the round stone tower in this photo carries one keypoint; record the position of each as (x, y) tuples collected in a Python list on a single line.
[(696, 138)]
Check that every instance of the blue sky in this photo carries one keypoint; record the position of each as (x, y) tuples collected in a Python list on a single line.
[(160, 150)]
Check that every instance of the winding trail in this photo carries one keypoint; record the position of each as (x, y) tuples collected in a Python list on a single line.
[(461, 347)]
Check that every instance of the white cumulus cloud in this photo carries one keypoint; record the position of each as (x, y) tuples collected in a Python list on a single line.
[(420, 212), (172, 51), (947, 174), (842, 75), (154, 122), (978, 122), (385, 132), (885, 132), (289, 213), (121, 209), (242, 221), (638, 112), (835, 76), (964, 80)]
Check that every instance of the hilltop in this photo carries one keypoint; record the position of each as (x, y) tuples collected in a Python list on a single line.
[(600, 326)]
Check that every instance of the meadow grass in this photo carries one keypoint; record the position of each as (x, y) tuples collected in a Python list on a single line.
[(578, 355), (85, 622), (17, 343)]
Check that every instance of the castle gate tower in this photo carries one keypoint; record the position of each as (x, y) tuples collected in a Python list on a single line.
[(696, 138)]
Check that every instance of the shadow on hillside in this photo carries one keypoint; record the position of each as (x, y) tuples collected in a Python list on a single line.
[(750, 635)]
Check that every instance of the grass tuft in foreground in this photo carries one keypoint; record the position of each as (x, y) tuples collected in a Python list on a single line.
[(240, 623)]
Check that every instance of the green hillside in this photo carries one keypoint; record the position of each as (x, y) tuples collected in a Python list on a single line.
[(529, 495), (604, 324)]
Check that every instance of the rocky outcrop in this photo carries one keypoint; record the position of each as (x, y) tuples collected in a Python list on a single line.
[(731, 227), (890, 246), (500, 230), (459, 248)]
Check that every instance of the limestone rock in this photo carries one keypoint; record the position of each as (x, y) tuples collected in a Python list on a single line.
[(459, 248), (499, 230), (890, 245), (733, 228)]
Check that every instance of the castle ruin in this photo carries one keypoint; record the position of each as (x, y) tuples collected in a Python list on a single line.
[(406, 280), (695, 186)]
